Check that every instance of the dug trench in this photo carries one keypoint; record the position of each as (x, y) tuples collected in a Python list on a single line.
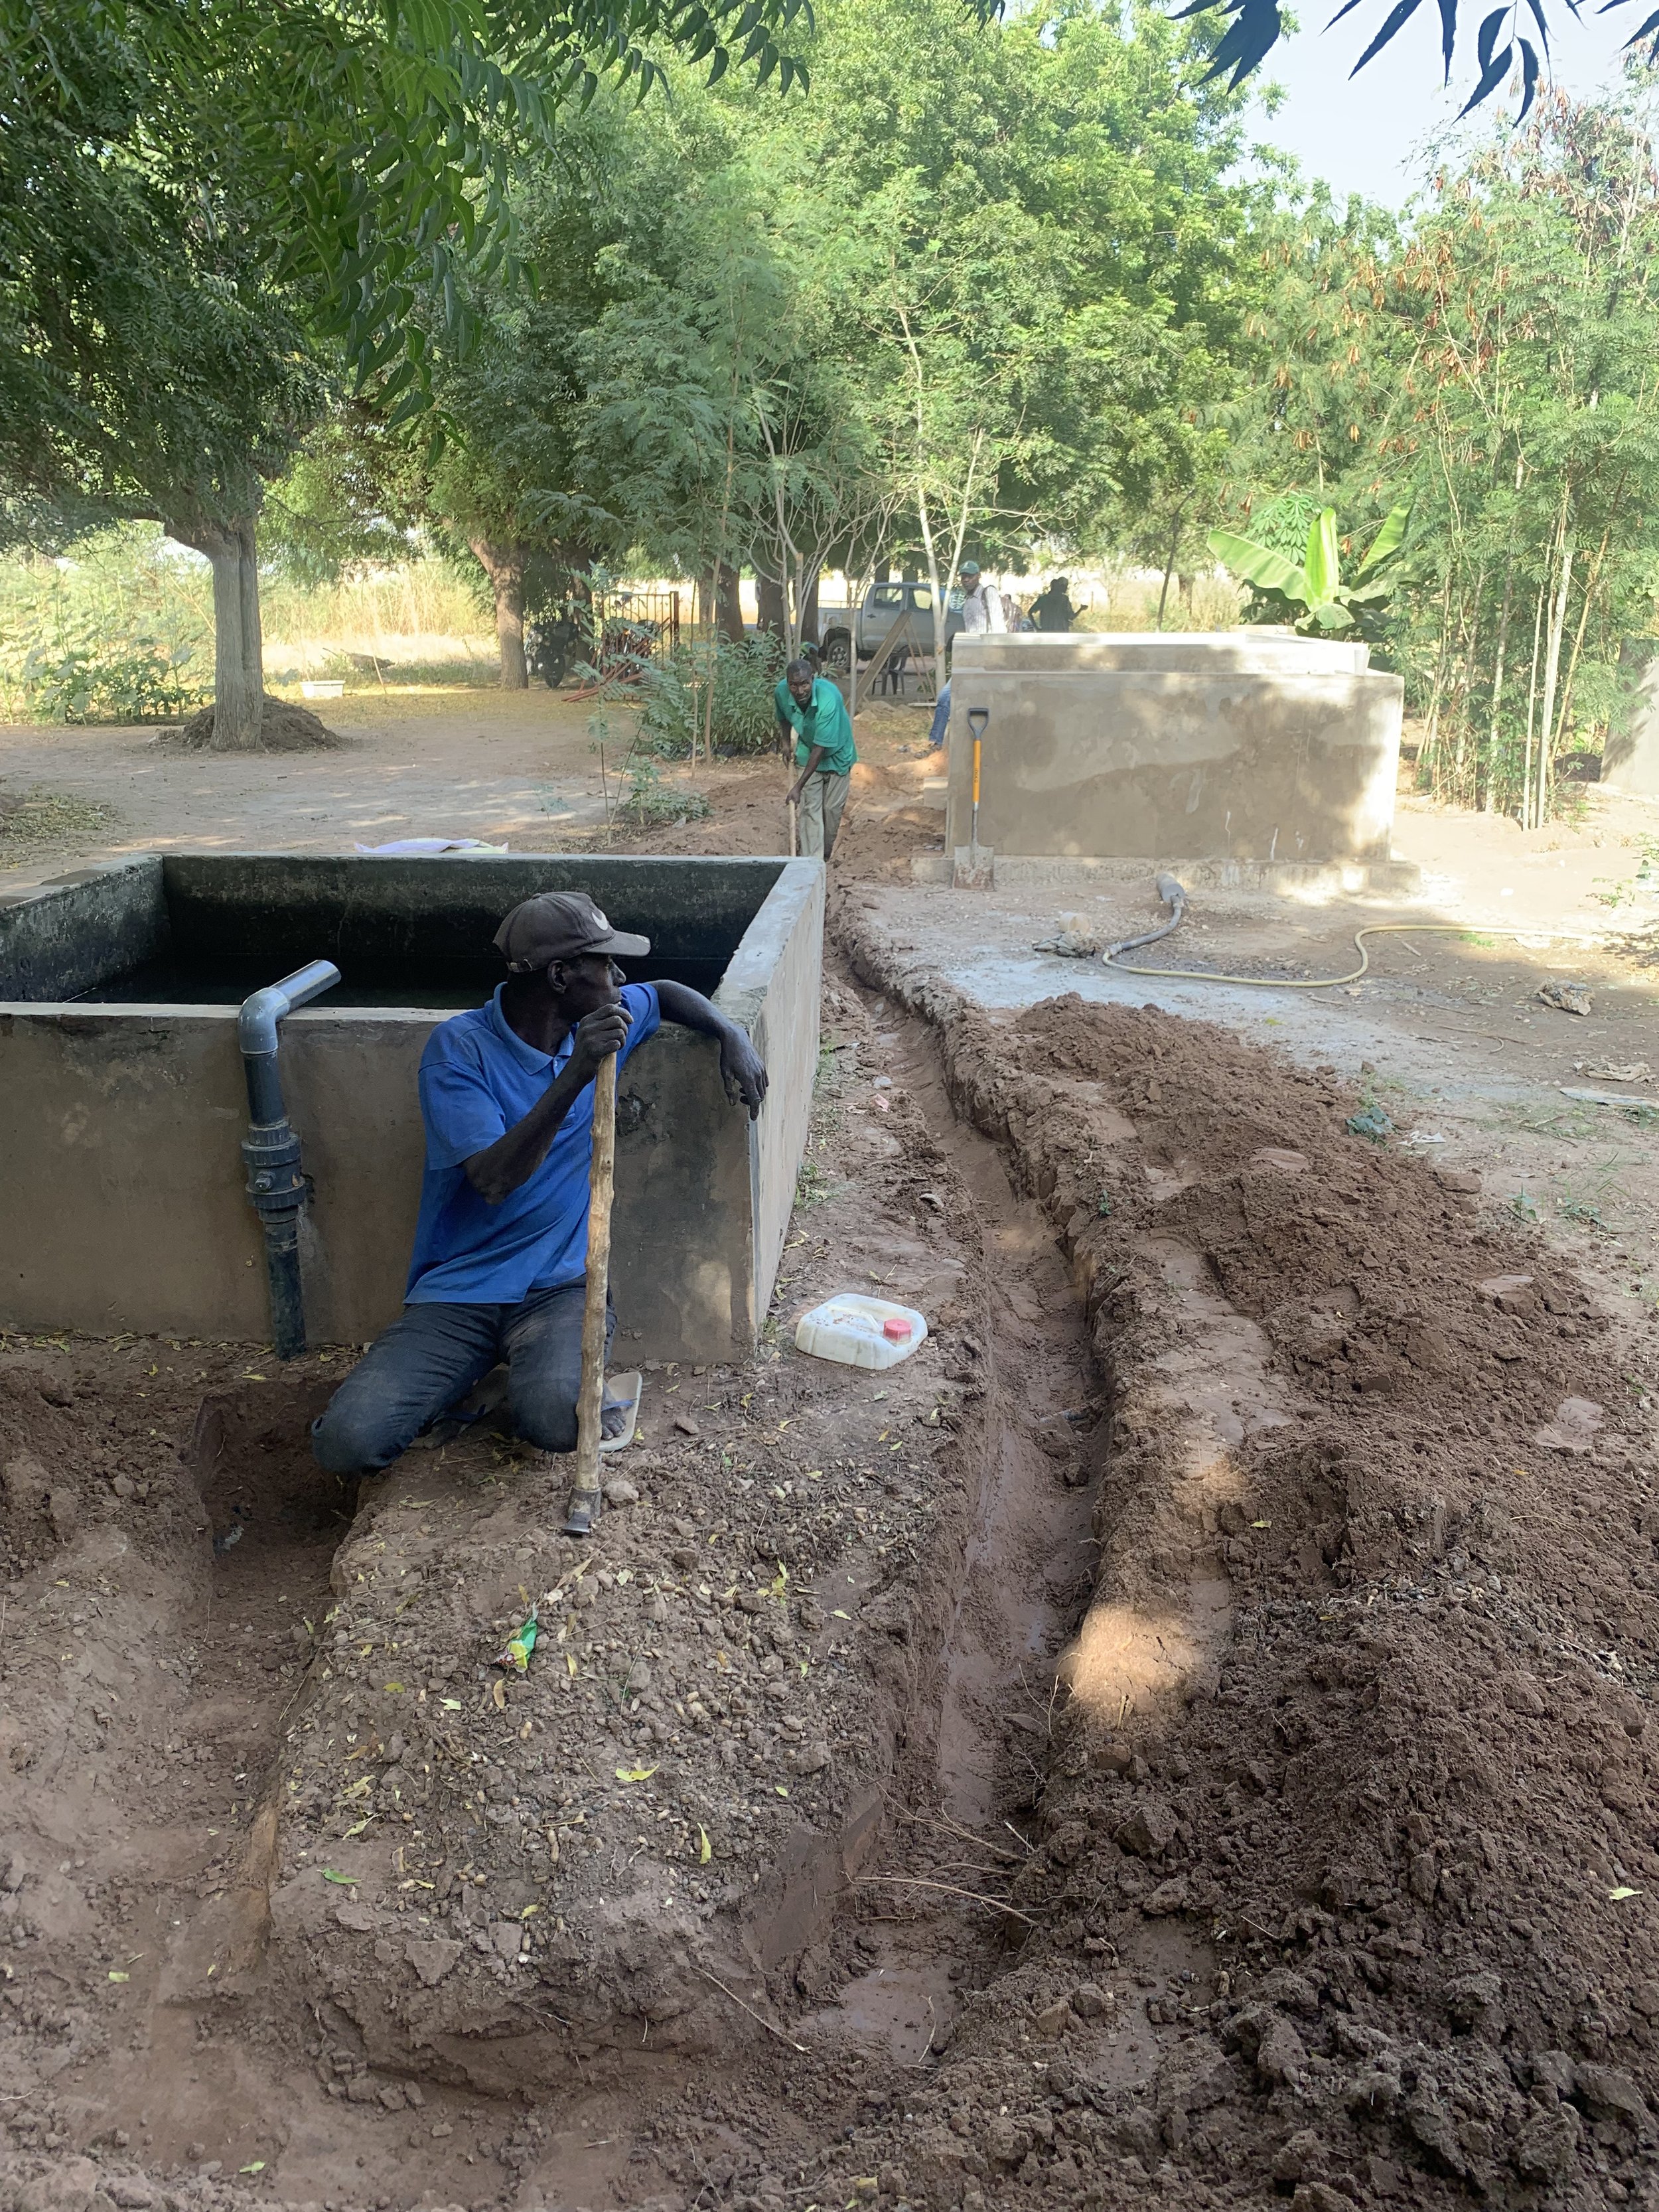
[(306, 1900), (1357, 1721), (1182, 1735)]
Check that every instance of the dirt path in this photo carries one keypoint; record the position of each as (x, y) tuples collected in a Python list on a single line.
[(521, 769)]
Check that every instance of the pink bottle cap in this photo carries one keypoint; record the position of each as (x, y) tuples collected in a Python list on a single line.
[(897, 1330)]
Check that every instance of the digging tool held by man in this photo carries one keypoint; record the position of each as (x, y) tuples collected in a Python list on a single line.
[(498, 1271)]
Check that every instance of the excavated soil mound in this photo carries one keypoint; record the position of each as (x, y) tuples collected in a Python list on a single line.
[(1220, 1777), (284, 728), (1347, 1882)]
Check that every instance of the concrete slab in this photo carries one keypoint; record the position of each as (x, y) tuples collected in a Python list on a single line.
[(1400, 1019)]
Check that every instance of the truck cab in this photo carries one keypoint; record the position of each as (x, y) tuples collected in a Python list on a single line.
[(884, 606)]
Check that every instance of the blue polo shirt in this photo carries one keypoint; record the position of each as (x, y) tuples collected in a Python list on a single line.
[(478, 1078)]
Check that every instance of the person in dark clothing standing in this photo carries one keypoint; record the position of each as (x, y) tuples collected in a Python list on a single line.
[(1052, 609)]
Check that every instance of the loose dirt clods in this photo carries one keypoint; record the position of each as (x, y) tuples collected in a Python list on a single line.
[(1183, 1737), (284, 728), (1403, 1795)]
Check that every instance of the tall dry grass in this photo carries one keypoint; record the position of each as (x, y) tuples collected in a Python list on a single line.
[(123, 623), (423, 612), (1127, 600)]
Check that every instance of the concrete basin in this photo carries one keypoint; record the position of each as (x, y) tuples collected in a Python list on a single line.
[(122, 1103)]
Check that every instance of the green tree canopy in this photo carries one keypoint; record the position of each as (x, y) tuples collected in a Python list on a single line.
[(978, 289), (1494, 367), (203, 216)]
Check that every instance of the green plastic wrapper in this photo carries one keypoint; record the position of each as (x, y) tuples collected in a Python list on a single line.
[(519, 1647)]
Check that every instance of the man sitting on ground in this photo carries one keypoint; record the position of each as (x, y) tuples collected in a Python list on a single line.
[(499, 1268), (814, 710)]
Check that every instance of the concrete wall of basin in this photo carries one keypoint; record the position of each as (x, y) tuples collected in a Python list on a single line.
[(120, 1175)]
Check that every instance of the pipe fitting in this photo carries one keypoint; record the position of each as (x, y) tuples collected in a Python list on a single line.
[(271, 1150), (255, 1023)]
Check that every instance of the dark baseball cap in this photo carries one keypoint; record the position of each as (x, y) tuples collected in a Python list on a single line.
[(560, 926), (969, 569)]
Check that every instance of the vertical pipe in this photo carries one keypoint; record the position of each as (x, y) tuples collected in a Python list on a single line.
[(275, 1184)]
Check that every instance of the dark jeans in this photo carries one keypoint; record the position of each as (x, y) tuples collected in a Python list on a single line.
[(432, 1356)]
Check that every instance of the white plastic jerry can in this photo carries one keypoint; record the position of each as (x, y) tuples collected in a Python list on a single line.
[(860, 1332)]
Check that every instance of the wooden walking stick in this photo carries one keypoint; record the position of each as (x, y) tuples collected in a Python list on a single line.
[(585, 1497)]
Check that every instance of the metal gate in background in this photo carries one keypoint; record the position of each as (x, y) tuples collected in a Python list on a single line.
[(631, 629)]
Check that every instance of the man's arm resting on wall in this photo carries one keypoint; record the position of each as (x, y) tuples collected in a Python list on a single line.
[(742, 1069), (497, 1172)]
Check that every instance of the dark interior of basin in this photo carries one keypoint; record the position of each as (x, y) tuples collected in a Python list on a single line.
[(206, 929)]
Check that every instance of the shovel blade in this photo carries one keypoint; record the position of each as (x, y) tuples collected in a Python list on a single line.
[(582, 1511), (974, 868)]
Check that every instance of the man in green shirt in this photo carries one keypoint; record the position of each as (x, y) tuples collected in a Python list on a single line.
[(815, 712)]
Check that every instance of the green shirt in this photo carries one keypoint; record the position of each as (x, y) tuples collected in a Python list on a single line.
[(826, 722)]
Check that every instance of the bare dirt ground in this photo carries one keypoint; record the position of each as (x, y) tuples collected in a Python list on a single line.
[(1181, 1738), (516, 767)]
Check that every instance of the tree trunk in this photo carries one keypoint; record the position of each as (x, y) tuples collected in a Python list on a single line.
[(1591, 582), (728, 603), (239, 676), (503, 563), (938, 586), (809, 607), (1428, 760), (1169, 566), (771, 611), (1489, 782), (1462, 686), (1532, 709), (1557, 622)]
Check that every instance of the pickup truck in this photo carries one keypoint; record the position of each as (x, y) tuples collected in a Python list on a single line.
[(841, 630)]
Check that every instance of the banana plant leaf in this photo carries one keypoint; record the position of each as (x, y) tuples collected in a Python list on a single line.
[(1322, 565), (1388, 539), (1331, 616), (1257, 564)]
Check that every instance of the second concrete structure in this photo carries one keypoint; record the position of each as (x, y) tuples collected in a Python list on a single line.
[(1246, 746)]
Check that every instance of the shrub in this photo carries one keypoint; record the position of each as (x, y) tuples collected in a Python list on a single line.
[(650, 804), (674, 698), (132, 678), (113, 634)]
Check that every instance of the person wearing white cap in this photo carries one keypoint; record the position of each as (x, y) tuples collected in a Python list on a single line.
[(499, 1267)]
